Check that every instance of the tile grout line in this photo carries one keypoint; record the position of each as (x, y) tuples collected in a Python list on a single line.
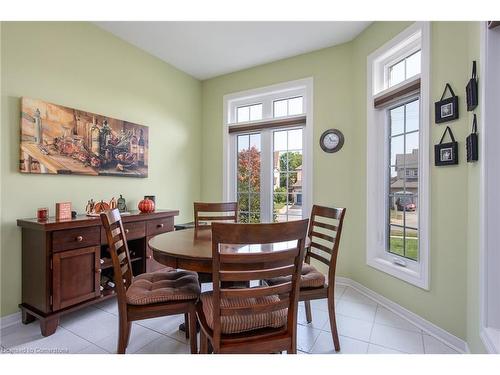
[(371, 331), (83, 338)]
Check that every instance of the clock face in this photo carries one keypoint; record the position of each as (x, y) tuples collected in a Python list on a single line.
[(332, 140)]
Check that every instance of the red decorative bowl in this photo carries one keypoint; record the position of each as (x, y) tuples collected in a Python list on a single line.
[(146, 206)]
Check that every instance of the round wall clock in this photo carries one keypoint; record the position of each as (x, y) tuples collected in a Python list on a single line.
[(331, 140)]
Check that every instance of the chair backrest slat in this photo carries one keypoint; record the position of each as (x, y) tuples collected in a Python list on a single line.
[(267, 257), (318, 246), (203, 213), (233, 262), (256, 275), (325, 226), (118, 249), (322, 236)]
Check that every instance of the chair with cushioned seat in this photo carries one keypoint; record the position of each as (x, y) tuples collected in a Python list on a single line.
[(149, 295), (325, 229), (263, 319)]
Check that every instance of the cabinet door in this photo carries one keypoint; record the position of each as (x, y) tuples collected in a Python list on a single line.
[(75, 276)]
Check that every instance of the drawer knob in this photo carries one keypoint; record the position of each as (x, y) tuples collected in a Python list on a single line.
[(126, 231), (79, 238), (150, 257), (98, 270), (160, 225)]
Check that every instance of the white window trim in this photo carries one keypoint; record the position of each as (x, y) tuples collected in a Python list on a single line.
[(489, 181), (278, 91), (416, 273)]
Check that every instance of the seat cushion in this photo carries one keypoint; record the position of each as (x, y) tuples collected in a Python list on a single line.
[(163, 286), (243, 323), (310, 278)]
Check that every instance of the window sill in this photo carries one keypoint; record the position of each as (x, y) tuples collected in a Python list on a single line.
[(409, 275)]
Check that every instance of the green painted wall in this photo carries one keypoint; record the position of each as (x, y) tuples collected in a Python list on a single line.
[(340, 101), (81, 66)]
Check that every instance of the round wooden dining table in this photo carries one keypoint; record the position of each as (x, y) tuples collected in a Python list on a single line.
[(191, 249), (188, 249)]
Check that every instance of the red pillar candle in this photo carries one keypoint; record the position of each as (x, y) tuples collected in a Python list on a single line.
[(42, 213)]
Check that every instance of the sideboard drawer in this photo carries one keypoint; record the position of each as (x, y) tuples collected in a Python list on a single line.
[(135, 230), (75, 238), (160, 226)]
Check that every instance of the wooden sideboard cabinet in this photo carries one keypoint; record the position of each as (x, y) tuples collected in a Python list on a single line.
[(66, 264)]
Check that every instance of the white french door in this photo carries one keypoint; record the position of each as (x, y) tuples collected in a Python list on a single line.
[(267, 176)]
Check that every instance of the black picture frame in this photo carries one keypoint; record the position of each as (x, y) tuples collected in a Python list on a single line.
[(446, 153), (446, 109)]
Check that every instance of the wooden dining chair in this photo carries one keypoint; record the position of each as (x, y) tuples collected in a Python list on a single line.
[(325, 229), (204, 213), (260, 319), (149, 295)]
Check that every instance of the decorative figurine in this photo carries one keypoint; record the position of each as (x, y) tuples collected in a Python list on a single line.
[(112, 203), (121, 205), (89, 208)]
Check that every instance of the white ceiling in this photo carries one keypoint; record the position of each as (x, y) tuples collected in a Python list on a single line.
[(209, 49)]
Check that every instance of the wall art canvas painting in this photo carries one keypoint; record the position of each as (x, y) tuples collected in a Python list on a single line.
[(62, 140)]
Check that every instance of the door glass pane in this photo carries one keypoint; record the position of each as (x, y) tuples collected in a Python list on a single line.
[(248, 176), (287, 189), (295, 139), (280, 141)]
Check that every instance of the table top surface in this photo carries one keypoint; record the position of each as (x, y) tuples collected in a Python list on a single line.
[(196, 244)]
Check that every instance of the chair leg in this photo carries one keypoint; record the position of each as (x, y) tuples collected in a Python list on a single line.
[(309, 318), (192, 328), (333, 322), (186, 324), (203, 342), (123, 335)]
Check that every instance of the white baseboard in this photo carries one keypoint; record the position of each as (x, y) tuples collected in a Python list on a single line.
[(9, 320), (430, 328), (491, 340)]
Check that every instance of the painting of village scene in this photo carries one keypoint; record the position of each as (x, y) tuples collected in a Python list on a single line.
[(62, 140)]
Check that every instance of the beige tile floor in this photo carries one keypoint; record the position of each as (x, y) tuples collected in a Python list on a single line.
[(364, 327)]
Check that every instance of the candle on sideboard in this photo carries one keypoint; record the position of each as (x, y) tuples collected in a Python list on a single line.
[(42, 213)]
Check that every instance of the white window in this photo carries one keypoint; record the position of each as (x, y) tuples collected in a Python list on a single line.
[(268, 162), (249, 113), (397, 157), (288, 107), (404, 69)]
